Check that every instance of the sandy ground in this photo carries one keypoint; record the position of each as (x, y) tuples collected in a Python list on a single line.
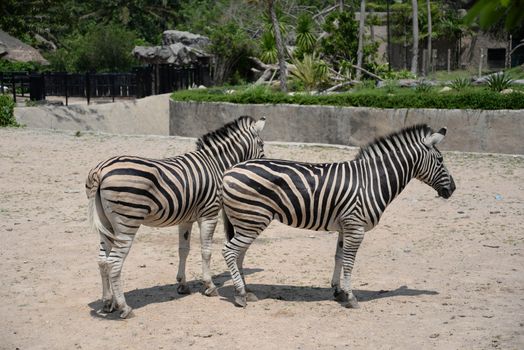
[(434, 274)]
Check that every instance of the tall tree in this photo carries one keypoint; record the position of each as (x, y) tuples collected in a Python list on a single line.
[(360, 50), (414, 59), (280, 45), (430, 33)]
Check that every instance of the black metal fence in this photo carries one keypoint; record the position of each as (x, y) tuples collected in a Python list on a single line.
[(141, 82)]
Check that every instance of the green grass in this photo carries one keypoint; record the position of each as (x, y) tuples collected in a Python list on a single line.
[(472, 98)]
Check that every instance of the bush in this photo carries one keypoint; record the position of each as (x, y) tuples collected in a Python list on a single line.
[(499, 82), (7, 107), (378, 98), (461, 84)]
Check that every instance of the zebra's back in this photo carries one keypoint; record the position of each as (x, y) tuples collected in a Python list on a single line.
[(157, 192), (303, 195)]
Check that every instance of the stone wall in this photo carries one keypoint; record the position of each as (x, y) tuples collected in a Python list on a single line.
[(468, 130), (148, 116)]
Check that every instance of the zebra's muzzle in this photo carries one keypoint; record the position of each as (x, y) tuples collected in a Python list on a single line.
[(446, 192)]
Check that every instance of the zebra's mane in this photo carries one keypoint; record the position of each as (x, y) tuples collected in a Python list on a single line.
[(224, 132), (382, 146)]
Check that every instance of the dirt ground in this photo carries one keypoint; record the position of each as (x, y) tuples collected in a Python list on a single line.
[(434, 274)]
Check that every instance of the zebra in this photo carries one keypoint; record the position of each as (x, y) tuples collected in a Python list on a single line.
[(126, 192), (347, 197)]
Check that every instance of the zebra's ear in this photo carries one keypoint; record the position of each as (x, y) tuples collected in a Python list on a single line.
[(259, 125), (435, 138)]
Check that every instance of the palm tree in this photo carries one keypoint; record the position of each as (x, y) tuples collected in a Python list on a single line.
[(414, 60), (430, 33), (360, 50), (280, 45)]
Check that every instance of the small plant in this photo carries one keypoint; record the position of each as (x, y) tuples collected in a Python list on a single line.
[(499, 82), (367, 84), (423, 86), (7, 107), (390, 85), (78, 133), (311, 71), (461, 84)]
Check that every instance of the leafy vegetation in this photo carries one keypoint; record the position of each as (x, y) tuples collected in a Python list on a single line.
[(461, 84), (7, 107), (478, 98), (499, 82)]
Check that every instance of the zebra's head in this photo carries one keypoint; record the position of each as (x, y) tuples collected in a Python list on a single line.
[(257, 144), (432, 170)]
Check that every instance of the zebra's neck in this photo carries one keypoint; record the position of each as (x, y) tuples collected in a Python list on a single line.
[(221, 157), (386, 175)]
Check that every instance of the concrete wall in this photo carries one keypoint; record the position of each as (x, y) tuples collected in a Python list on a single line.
[(148, 115), (468, 130)]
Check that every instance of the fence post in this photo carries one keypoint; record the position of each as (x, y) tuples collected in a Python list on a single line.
[(480, 61), (449, 60), (66, 89), (13, 77), (88, 87), (113, 86)]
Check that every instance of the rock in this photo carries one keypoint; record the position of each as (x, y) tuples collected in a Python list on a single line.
[(445, 89), (484, 79), (186, 38), (507, 91), (180, 48), (44, 43)]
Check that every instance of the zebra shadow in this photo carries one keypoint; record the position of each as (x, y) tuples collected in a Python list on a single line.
[(139, 298), (311, 294)]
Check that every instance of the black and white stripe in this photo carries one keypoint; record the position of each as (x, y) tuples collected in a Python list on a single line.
[(126, 192), (348, 197)]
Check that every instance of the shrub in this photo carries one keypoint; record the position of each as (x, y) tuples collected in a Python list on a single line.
[(310, 71), (499, 82), (7, 106), (461, 84), (377, 98), (423, 86)]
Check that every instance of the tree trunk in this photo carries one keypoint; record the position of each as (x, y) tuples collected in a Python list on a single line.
[(360, 50), (414, 60), (341, 5), (430, 33), (280, 46)]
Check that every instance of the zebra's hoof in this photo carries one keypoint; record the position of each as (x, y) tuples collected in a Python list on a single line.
[(126, 312), (353, 303), (250, 296), (211, 292), (240, 300), (108, 307), (183, 289), (340, 296)]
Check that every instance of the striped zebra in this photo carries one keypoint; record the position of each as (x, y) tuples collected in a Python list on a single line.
[(125, 192), (347, 197)]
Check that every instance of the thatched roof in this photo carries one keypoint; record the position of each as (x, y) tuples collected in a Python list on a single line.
[(13, 49)]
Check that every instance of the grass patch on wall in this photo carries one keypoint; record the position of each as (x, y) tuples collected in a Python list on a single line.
[(471, 98)]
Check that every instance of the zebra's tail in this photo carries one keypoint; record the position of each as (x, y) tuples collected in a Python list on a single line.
[(229, 230), (96, 224)]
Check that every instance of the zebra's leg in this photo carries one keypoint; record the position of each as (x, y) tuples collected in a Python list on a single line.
[(250, 296), (184, 240), (115, 261), (353, 236), (231, 252), (107, 294), (207, 228), (335, 280)]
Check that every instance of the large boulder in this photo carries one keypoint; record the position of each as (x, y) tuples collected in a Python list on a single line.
[(178, 47), (14, 50), (186, 38)]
